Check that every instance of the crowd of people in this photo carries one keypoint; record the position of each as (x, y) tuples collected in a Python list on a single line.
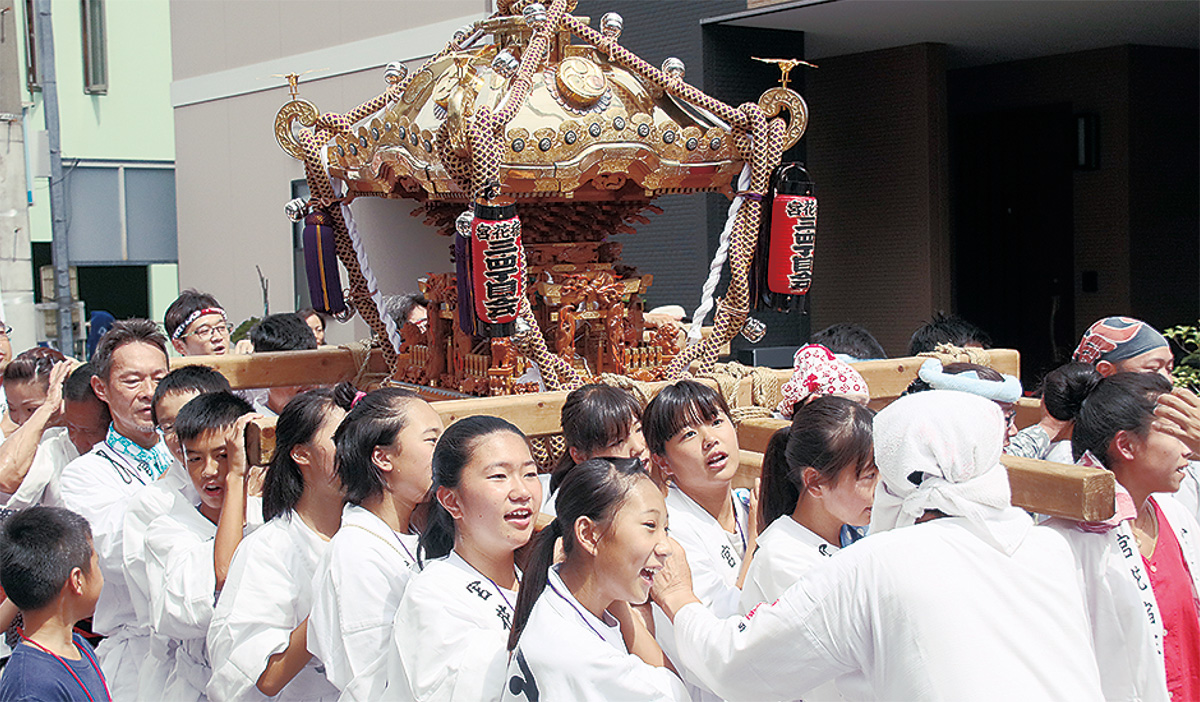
[(384, 556)]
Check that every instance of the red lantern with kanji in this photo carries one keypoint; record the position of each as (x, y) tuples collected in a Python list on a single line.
[(784, 260), (497, 267)]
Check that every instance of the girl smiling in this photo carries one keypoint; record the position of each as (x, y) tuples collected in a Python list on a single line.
[(453, 621), (578, 636)]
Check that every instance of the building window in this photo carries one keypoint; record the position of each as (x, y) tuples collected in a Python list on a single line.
[(31, 72), (95, 57), (121, 214)]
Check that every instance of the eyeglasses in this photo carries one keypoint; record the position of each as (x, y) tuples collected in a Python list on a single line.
[(207, 332)]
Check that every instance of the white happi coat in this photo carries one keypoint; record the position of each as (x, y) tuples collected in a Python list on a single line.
[(154, 500), (356, 592), (100, 486), (567, 653), (786, 550), (41, 483), (267, 594), (450, 635), (934, 611), (715, 557), (1125, 621), (180, 574)]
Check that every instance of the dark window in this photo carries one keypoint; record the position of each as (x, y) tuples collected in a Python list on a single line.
[(31, 72), (95, 57), (299, 270)]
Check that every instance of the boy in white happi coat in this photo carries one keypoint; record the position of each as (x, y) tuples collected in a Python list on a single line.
[(189, 549), (972, 603), (129, 361), (384, 451), (156, 499)]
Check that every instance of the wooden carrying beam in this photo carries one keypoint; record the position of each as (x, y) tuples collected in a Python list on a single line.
[(329, 365), (1055, 489)]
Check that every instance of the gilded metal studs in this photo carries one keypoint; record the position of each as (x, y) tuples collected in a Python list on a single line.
[(506, 64), (395, 72), (535, 14), (674, 68), (611, 25)]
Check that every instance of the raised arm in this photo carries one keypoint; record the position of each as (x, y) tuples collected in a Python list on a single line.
[(17, 452), (231, 523)]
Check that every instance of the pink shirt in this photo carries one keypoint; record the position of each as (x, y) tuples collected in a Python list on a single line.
[(1172, 585)]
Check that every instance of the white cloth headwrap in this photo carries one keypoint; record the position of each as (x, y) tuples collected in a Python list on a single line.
[(1008, 390), (952, 441)]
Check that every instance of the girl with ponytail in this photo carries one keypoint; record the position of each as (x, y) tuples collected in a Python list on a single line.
[(258, 638), (384, 454), (453, 620), (1141, 568), (818, 483), (575, 635)]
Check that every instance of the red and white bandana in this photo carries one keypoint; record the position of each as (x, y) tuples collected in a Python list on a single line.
[(816, 371)]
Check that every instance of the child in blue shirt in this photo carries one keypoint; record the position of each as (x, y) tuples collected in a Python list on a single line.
[(50, 571)]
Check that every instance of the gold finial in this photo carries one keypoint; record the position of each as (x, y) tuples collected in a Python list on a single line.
[(785, 67), (293, 79)]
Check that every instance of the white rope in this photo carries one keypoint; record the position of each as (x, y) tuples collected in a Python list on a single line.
[(718, 262), (360, 252)]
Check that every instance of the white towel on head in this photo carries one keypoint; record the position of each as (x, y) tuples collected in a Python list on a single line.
[(950, 443)]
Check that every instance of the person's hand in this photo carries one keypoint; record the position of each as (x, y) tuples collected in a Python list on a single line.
[(752, 518), (672, 585), (1178, 414), (235, 446), (244, 347), (54, 392)]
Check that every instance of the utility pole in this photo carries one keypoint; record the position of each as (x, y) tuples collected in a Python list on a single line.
[(44, 33)]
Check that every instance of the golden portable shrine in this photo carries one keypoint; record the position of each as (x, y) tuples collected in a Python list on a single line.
[(530, 140)]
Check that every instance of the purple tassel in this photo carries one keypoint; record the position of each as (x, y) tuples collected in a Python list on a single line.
[(320, 263), (462, 268)]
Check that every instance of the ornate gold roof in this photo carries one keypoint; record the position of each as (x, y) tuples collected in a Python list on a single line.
[(589, 129)]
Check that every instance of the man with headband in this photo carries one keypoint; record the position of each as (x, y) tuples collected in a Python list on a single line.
[(1125, 345), (955, 595), (196, 325), (1113, 345)]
